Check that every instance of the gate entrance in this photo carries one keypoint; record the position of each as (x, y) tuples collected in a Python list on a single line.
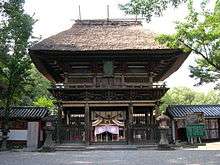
[(108, 126), (73, 128), (120, 125)]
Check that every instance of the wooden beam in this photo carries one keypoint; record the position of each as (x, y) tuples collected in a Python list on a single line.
[(87, 124), (111, 102), (59, 123), (108, 105), (129, 124)]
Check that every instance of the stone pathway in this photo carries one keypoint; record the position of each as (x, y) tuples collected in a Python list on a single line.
[(208, 146), (132, 157)]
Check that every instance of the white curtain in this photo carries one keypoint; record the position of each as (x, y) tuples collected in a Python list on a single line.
[(107, 128)]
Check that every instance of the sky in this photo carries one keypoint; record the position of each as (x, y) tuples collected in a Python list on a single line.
[(55, 16)]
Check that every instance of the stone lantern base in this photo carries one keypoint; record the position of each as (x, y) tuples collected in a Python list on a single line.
[(49, 145), (164, 143)]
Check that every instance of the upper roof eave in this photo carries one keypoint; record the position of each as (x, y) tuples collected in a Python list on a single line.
[(179, 111), (110, 51)]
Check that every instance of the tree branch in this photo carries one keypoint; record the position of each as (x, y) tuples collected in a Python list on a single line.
[(205, 58)]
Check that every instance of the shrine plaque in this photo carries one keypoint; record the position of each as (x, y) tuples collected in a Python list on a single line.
[(108, 68), (191, 118), (200, 117), (195, 118)]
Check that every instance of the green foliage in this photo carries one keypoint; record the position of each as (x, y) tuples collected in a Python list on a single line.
[(24, 83), (44, 102), (187, 96), (15, 64), (38, 87), (199, 33), (149, 8)]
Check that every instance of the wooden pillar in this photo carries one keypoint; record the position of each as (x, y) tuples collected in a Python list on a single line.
[(130, 121), (68, 118), (152, 127), (87, 124), (59, 122), (218, 128), (151, 118), (174, 131), (146, 119)]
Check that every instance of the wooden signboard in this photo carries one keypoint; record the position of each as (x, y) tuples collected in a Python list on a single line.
[(108, 68), (195, 118)]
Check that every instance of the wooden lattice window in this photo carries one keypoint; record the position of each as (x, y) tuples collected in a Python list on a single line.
[(81, 69), (108, 68), (136, 69)]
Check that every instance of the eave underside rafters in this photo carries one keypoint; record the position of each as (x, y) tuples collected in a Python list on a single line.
[(57, 63)]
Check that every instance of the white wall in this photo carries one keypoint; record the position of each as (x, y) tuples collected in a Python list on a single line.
[(18, 135)]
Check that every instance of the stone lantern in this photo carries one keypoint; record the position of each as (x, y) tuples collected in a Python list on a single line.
[(49, 128), (164, 128), (3, 138)]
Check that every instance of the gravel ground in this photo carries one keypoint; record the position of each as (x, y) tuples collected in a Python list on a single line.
[(139, 157)]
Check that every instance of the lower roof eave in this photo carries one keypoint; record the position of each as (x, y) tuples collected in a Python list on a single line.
[(109, 103), (209, 117)]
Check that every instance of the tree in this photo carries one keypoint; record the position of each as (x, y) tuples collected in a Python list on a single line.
[(15, 64), (33, 91), (187, 96), (199, 33), (149, 8), (45, 102)]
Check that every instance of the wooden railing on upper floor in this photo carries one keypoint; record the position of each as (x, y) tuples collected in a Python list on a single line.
[(124, 86)]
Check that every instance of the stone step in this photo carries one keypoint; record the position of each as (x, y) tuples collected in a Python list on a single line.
[(104, 147), (148, 147), (110, 143), (70, 147), (111, 147)]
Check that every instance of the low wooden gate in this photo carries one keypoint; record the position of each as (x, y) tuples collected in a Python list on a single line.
[(145, 135), (148, 134), (72, 134)]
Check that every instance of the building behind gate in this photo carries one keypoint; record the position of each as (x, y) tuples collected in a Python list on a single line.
[(108, 80)]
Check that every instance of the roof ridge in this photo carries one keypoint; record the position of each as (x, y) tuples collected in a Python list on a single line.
[(180, 111), (113, 22), (27, 107), (195, 105)]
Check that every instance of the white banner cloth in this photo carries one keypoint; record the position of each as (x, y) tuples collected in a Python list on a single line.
[(107, 128)]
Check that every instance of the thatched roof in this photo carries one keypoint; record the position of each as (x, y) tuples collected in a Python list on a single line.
[(101, 35)]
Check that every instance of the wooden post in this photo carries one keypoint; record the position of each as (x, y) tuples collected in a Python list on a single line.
[(107, 12), (151, 79), (87, 124), (68, 118), (173, 131), (151, 118), (130, 121), (218, 128), (146, 119), (59, 122), (152, 127), (80, 16)]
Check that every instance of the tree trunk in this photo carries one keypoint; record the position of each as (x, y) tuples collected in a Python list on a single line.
[(5, 123)]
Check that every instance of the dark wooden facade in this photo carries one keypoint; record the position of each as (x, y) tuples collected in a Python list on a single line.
[(211, 114), (18, 124), (106, 92)]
